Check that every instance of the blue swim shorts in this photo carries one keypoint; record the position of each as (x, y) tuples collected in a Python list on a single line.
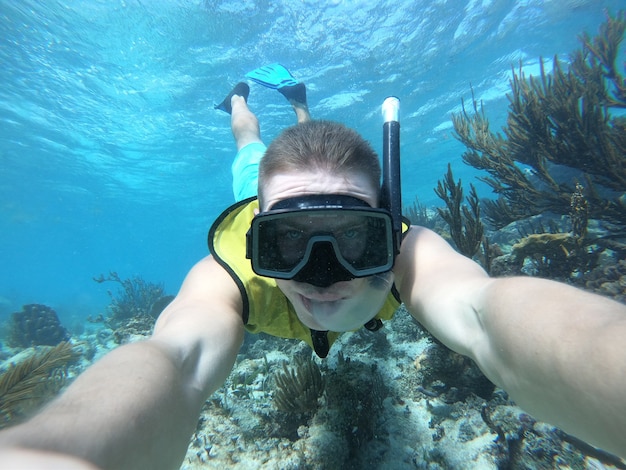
[(246, 170)]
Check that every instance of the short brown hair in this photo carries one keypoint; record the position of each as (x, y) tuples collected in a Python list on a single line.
[(319, 145)]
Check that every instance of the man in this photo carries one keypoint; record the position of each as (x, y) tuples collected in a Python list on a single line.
[(558, 351)]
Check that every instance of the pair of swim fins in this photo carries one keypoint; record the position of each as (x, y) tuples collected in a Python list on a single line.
[(273, 76)]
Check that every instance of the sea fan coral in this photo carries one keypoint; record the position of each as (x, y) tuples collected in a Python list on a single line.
[(29, 383)]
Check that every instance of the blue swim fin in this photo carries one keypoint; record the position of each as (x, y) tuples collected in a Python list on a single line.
[(273, 76)]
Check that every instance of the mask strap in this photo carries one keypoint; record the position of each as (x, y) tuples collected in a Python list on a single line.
[(374, 324), (320, 342)]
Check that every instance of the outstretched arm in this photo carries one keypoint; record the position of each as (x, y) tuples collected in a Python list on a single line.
[(138, 406), (558, 351)]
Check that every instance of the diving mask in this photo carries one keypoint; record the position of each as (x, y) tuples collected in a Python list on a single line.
[(321, 239)]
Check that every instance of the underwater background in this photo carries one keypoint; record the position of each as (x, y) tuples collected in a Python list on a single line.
[(114, 164), (113, 158)]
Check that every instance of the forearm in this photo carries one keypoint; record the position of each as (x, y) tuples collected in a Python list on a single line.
[(133, 409), (559, 352)]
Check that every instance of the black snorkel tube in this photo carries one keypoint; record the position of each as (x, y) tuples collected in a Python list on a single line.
[(391, 191)]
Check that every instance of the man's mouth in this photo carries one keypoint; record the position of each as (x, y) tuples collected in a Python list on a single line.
[(326, 301), (324, 296)]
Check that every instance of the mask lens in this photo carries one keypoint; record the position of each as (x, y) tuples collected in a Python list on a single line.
[(284, 241)]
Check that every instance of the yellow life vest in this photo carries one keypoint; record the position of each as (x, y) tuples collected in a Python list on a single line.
[(265, 307)]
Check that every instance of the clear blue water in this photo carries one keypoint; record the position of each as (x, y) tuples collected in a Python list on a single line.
[(112, 157)]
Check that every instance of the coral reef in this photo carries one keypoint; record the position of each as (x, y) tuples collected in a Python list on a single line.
[(354, 403), (28, 384), (553, 255), (127, 330), (545, 246), (35, 325), (378, 411), (444, 374), (608, 280), (466, 229), (557, 122), (521, 440), (133, 308), (135, 298)]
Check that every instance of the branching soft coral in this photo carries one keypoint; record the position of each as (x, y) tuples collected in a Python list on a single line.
[(466, 229), (135, 298), (557, 122)]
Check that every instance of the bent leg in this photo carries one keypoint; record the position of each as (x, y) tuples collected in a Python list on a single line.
[(250, 149), (246, 170), (247, 133)]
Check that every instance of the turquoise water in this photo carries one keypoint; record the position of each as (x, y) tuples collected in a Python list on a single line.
[(113, 159)]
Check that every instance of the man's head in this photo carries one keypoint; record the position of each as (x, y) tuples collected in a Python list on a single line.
[(306, 161), (323, 148)]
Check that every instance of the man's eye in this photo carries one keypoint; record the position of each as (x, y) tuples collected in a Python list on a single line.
[(293, 234), (350, 233)]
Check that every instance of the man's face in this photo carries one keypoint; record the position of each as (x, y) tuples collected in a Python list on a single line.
[(323, 308)]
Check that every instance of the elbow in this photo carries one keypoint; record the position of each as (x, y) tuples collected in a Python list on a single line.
[(207, 363)]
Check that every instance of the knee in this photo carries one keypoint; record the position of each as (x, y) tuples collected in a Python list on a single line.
[(244, 122), (245, 128)]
